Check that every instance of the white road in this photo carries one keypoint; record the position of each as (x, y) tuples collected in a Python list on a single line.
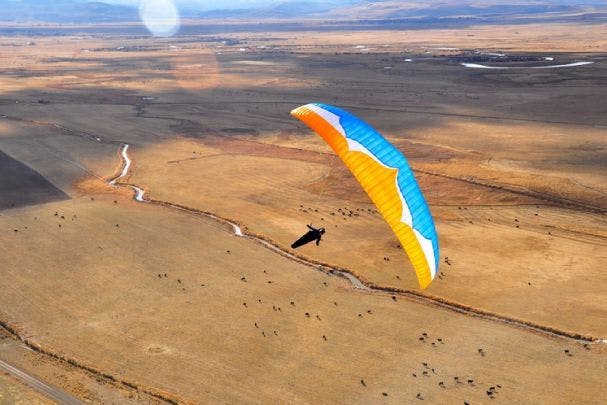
[(47, 390), (479, 66), (126, 167)]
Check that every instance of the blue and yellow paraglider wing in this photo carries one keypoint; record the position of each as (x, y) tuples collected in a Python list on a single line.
[(385, 175)]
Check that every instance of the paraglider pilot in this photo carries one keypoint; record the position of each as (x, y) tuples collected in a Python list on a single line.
[(313, 234)]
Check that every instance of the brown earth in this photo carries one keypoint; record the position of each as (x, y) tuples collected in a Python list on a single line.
[(14, 392), (511, 162)]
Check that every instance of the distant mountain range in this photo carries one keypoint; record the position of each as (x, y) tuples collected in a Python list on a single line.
[(398, 9), (83, 11), (65, 11)]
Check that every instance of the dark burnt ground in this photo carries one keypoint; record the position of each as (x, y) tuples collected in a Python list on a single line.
[(20, 185)]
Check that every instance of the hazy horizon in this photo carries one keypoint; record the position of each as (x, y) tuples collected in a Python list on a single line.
[(418, 13), (206, 5)]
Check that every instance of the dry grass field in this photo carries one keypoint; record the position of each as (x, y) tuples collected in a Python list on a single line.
[(149, 303), (13, 392), (497, 232), (128, 318)]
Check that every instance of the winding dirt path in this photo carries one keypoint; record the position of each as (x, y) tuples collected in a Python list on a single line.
[(356, 282), (125, 172)]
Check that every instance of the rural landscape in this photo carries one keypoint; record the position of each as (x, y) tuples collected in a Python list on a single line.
[(152, 182)]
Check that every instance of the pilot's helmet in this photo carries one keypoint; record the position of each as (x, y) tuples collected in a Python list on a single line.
[(321, 230)]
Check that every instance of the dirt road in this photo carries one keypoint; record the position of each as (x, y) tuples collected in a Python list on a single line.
[(51, 392)]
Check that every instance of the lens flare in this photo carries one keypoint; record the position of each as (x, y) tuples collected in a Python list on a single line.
[(160, 17)]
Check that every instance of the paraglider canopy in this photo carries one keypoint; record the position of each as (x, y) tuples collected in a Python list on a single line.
[(385, 175)]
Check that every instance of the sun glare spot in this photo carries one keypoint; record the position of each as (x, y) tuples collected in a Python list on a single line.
[(160, 17)]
